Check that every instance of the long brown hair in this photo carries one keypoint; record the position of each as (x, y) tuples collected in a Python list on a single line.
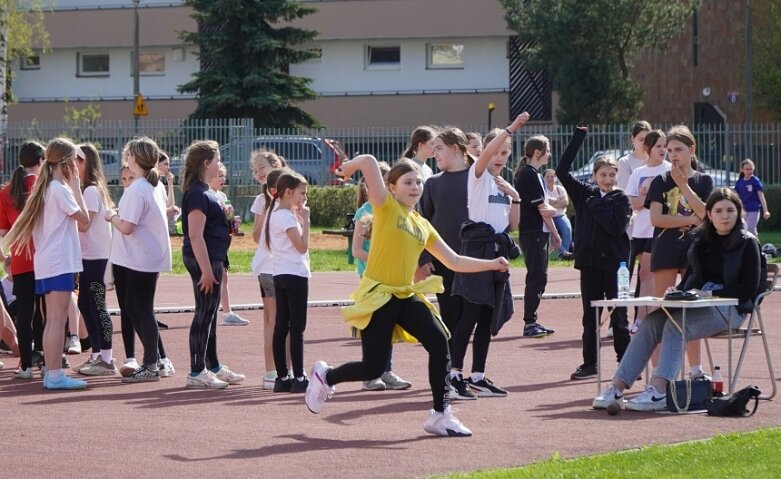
[(421, 134), (683, 134), (198, 152), (451, 136), (289, 180), (93, 173), (30, 155), (59, 151), (532, 144), (147, 154)]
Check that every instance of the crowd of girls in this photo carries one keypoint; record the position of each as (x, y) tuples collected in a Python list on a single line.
[(450, 237)]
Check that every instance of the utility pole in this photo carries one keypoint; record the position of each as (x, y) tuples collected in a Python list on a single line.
[(136, 54), (749, 86), (3, 80)]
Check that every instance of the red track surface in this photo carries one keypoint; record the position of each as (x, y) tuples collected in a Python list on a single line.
[(162, 430)]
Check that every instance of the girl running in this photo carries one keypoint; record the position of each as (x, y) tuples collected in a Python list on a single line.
[(204, 252), (49, 219), (751, 192), (388, 300)]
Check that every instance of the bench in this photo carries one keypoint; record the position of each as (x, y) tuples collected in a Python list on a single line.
[(347, 232)]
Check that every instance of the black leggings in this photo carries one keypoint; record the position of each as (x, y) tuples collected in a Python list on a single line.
[(596, 284), (92, 304), (450, 306), (472, 314), (203, 330), (292, 293), (414, 316), (136, 297), (29, 322)]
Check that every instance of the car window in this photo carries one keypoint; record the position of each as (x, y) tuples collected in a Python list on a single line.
[(293, 151)]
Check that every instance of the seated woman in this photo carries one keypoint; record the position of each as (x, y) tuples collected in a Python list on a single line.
[(737, 275), (557, 197)]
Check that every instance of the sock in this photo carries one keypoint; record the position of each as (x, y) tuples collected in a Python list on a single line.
[(94, 356), (107, 355), (696, 369), (455, 373), (270, 375), (216, 369), (477, 376), (300, 378), (54, 373)]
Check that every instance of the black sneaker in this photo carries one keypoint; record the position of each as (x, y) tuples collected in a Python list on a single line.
[(37, 359), (161, 325), (534, 330), (459, 389), (142, 375), (485, 388), (584, 371), (547, 330), (283, 385), (299, 386), (65, 363)]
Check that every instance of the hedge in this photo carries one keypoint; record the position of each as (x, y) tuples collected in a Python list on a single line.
[(329, 205), (773, 198)]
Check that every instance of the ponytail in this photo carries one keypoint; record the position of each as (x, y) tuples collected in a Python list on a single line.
[(16, 185), (269, 210), (30, 155)]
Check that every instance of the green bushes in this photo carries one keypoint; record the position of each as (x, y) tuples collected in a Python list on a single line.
[(773, 198), (329, 205)]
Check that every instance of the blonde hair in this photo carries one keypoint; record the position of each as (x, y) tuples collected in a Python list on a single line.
[(59, 151), (146, 153)]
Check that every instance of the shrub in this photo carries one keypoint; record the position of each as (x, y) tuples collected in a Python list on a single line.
[(773, 198), (330, 205)]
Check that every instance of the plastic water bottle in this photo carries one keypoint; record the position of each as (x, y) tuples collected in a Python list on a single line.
[(623, 281), (718, 382)]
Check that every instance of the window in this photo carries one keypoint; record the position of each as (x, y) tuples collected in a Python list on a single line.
[(93, 64), (32, 62), (445, 55), (151, 63), (383, 57)]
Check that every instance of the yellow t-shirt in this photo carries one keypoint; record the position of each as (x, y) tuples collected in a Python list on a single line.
[(398, 238)]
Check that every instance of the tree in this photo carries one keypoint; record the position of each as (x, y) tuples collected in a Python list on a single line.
[(246, 48), (588, 48), (766, 41)]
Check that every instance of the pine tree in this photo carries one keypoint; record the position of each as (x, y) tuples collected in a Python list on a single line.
[(246, 48)]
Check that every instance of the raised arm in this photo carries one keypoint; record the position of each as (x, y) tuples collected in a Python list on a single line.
[(367, 165), (495, 145)]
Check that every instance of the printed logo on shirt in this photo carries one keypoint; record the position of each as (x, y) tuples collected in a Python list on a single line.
[(500, 198), (415, 232), (677, 203), (750, 188)]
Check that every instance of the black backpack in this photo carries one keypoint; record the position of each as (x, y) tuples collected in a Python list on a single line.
[(734, 405)]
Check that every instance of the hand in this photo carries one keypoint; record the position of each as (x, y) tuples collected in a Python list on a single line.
[(679, 176), (501, 264), (423, 272), (519, 121), (348, 168), (766, 215), (170, 177), (548, 211), (303, 214), (555, 240), (229, 210), (506, 188), (74, 181), (207, 282), (109, 214)]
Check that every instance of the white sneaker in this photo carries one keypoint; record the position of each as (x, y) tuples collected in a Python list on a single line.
[(394, 382), (225, 374), (166, 368), (23, 373), (233, 319), (609, 396), (269, 379), (74, 345), (128, 367), (205, 380), (609, 333), (635, 326), (648, 400), (318, 390), (445, 424)]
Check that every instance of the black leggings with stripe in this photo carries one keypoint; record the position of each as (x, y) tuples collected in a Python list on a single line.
[(203, 330)]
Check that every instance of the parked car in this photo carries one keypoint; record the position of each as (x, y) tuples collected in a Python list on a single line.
[(315, 158), (112, 163), (585, 173)]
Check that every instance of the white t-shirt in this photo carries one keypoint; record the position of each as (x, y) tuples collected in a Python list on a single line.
[(148, 247), (96, 241), (638, 186), (221, 197), (485, 202), (286, 259), (261, 262), (557, 193), (627, 164), (56, 237)]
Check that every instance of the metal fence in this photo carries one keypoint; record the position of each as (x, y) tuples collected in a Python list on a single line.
[(721, 148)]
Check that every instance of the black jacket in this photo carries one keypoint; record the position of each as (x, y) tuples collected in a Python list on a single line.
[(741, 263), (600, 222), (490, 288)]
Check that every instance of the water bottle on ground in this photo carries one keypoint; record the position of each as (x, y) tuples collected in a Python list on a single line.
[(623, 281), (718, 382)]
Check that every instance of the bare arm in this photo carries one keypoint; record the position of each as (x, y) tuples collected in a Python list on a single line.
[(258, 225), (495, 145), (660, 220), (196, 220), (763, 202), (464, 264), (367, 164), (82, 216), (85, 227), (357, 249), (300, 241)]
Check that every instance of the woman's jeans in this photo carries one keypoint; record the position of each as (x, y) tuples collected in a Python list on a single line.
[(656, 328), (564, 227)]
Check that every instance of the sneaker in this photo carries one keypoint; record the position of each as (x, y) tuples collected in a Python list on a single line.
[(23, 373), (318, 390), (83, 365), (37, 359), (73, 345), (648, 400), (299, 385), (63, 382), (608, 397), (547, 330), (142, 375), (205, 380), (98, 367), (283, 385), (129, 367), (268, 380), (584, 371), (166, 368), (609, 333), (374, 385), (485, 388), (699, 376), (233, 319), (459, 389), (65, 364), (225, 374), (533, 330), (445, 424), (394, 382), (635, 326)]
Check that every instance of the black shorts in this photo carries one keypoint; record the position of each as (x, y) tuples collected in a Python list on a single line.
[(640, 246), (669, 249)]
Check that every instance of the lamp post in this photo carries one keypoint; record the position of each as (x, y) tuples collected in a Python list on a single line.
[(136, 78), (749, 85), (491, 108)]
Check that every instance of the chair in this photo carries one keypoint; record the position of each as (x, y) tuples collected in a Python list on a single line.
[(754, 327)]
